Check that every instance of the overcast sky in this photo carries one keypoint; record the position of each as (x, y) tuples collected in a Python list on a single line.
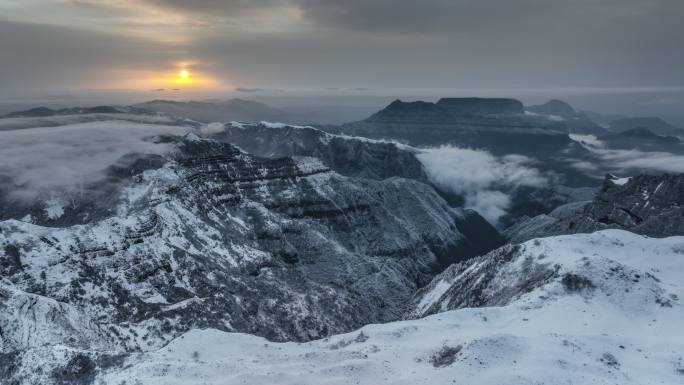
[(64, 45)]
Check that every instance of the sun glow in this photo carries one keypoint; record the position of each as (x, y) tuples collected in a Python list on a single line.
[(182, 76)]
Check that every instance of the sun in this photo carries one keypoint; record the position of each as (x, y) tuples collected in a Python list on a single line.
[(184, 74)]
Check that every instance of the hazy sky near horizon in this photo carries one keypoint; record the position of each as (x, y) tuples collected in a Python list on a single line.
[(66, 45)]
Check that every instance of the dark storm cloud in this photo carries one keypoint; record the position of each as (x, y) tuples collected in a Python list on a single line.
[(448, 16)]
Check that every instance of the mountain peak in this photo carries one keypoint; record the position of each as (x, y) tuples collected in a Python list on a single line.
[(554, 107)]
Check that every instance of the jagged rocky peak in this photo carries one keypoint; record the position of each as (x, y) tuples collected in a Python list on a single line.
[(554, 107), (652, 205), (481, 106)]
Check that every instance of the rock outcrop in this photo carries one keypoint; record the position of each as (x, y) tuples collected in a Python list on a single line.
[(651, 205)]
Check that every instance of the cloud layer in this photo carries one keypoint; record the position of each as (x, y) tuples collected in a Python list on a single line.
[(480, 177), (35, 162), (353, 43), (628, 160)]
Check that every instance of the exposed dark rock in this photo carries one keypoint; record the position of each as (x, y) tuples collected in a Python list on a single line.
[(445, 356), (576, 283), (80, 370), (651, 205), (609, 360)]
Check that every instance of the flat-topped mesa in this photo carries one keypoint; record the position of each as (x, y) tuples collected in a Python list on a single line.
[(482, 106), (419, 110), (447, 110)]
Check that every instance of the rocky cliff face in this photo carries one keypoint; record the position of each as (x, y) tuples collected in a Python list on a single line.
[(215, 238), (350, 156), (652, 205)]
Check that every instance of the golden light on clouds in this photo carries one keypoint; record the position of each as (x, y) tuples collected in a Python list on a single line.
[(181, 77)]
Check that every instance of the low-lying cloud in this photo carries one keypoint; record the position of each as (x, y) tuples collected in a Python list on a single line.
[(480, 177), (629, 160), (640, 160), (39, 161)]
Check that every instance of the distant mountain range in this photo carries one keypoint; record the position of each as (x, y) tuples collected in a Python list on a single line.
[(653, 124), (576, 122), (217, 111)]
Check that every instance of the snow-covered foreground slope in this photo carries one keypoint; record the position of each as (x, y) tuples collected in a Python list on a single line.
[(607, 313)]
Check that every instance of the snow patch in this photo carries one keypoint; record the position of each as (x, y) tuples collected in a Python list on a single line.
[(54, 208)]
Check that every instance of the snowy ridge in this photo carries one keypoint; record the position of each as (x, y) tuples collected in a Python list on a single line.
[(616, 320)]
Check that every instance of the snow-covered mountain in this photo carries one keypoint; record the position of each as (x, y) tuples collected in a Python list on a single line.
[(600, 308), (144, 248), (284, 248)]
